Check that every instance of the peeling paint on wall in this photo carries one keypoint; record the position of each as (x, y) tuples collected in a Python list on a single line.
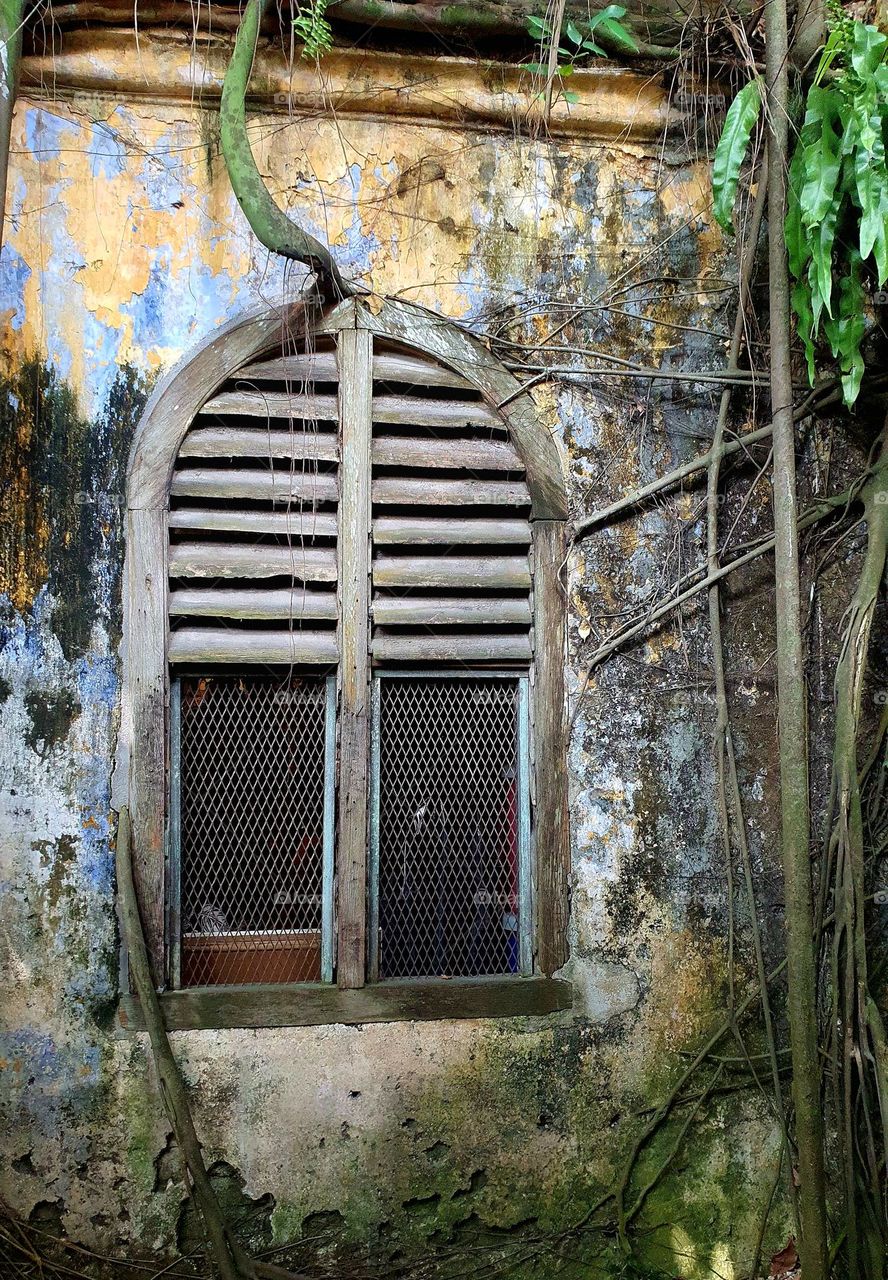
[(125, 248)]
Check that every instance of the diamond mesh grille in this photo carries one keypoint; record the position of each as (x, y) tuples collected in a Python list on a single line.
[(448, 827), (252, 804)]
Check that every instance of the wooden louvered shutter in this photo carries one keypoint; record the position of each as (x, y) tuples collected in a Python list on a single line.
[(451, 530), (253, 519)]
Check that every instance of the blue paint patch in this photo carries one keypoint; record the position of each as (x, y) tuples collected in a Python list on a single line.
[(107, 154), (176, 308), (101, 345), (162, 174), (32, 660), (45, 1083), (360, 246), (19, 195), (43, 133), (14, 274)]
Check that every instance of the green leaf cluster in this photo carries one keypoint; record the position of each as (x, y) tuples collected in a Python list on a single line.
[(578, 41), (837, 202), (837, 214), (730, 153), (312, 28)]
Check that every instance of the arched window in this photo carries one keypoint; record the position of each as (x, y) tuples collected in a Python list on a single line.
[(344, 665)]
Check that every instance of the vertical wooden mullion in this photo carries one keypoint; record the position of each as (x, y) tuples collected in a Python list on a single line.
[(327, 871), (174, 839), (143, 720), (522, 798), (551, 844), (355, 358), (373, 871)]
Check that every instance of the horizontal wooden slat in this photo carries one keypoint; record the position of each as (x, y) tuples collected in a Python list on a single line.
[(320, 366), (401, 410), (215, 560), (429, 611), (418, 412), (415, 530), (313, 366), (296, 524), (489, 648), (226, 644), (451, 493), (393, 367), (447, 571), (298, 602), (238, 442), (273, 486), (479, 455), (274, 404)]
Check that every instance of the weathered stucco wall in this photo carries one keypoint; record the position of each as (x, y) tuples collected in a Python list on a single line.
[(124, 249)]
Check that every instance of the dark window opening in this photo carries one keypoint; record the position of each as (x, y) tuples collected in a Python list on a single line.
[(451, 827), (251, 828)]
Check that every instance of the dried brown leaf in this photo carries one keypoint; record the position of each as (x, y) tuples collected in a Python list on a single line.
[(786, 1262)]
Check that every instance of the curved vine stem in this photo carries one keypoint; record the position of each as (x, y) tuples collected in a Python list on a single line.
[(271, 225)]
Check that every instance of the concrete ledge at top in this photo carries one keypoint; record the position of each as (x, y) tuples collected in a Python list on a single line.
[(614, 103)]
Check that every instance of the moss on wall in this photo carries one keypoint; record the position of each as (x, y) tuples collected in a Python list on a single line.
[(459, 1141), (60, 507)]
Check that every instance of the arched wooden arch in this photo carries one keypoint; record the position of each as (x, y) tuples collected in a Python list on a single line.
[(141, 779)]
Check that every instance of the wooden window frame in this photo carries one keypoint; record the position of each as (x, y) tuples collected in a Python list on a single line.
[(142, 777)]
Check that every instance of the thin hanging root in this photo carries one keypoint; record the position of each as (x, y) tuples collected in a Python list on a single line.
[(648, 1187), (230, 1258), (674, 1098), (763, 1227)]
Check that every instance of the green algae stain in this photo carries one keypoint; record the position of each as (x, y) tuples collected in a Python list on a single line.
[(51, 715), (463, 15), (61, 496)]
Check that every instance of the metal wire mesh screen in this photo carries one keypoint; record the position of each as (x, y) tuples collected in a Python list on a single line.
[(448, 857), (251, 820)]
